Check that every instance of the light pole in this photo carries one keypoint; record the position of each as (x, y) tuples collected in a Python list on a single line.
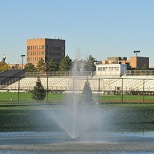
[(136, 52), (22, 56)]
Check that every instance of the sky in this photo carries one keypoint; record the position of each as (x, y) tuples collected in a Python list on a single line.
[(101, 28)]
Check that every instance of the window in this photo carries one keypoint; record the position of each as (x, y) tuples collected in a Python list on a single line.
[(62, 48), (62, 54), (99, 68), (56, 48), (28, 53), (28, 47), (111, 68), (42, 52), (117, 68)]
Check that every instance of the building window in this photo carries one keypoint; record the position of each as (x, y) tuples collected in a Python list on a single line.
[(99, 68), (42, 46), (28, 53), (28, 59), (111, 68), (116, 68), (46, 47), (28, 47), (62, 48), (56, 48), (42, 52)]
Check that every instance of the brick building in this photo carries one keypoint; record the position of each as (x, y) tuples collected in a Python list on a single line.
[(46, 49), (139, 62), (134, 62)]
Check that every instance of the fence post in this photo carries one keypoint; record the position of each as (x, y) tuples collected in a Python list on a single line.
[(98, 87), (122, 91), (47, 88), (18, 89), (143, 90)]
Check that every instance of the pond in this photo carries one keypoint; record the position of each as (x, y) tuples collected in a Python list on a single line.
[(94, 130)]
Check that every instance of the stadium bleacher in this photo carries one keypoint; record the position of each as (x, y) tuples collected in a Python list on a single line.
[(103, 83), (9, 75)]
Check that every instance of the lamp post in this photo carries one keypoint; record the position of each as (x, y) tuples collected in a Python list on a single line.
[(22, 56), (136, 52)]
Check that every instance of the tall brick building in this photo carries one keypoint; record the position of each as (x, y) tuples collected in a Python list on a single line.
[(46, 49)]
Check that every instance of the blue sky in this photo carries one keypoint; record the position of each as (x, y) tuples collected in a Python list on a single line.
[(101, 28)]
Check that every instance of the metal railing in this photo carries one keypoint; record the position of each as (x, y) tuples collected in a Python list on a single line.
[(139, 72), (58, 73)]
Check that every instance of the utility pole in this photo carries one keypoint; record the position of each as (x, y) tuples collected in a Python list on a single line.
[(136, 52), (22, 56)]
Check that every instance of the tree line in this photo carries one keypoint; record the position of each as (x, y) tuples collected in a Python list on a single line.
[(65, 65)]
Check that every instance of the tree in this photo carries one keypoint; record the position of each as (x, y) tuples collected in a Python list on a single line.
[(51, 65), (38, 92), (41, 65), (89, 64), (87, 96), (144, 67), (29, 67), (3, 66), (65, 64)]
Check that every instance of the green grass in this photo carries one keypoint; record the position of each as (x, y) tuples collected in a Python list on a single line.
[(125, 98), (24, 98), (12, 98)]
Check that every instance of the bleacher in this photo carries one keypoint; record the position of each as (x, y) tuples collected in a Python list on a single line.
[(105, 84), (10, 76)]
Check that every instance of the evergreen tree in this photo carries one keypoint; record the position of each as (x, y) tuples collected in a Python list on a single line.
[(89, 64), (51, 66), (87, 96), (41, 65), (38, 92), (29, 67), (65, 64)]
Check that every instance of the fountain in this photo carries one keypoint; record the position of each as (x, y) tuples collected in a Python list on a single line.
[(84, 127), (80, 113)]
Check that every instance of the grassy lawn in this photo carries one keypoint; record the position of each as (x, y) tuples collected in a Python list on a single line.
[(126, 98), (12, 98)]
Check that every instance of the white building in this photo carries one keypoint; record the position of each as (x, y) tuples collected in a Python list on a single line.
[(110, 69)]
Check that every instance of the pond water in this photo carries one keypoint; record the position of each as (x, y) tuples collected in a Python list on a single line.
[(60, 142), (94, 132)]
